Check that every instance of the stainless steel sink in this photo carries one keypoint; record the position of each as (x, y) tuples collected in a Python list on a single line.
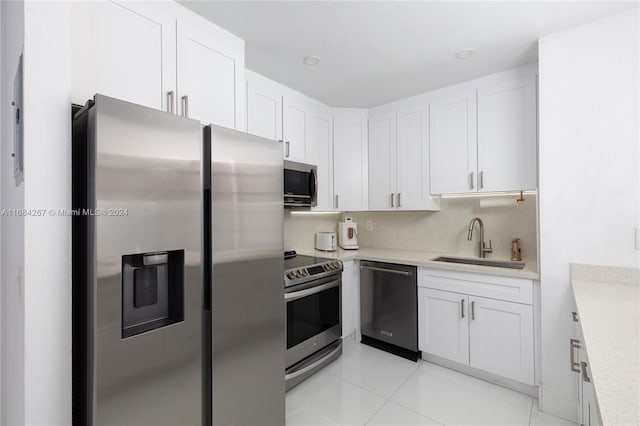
[(481, 262)]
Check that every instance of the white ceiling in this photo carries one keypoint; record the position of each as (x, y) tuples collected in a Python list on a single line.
[(375, 52)]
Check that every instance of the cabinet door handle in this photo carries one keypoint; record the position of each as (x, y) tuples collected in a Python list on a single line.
[(473, 310), (481, 184), (170, 95), (462, 305), (399, 205), (574, 344), (392, 200), (185, 106), (471, 180), (336, 201), (286, 150), (575, 316), (585, 376)]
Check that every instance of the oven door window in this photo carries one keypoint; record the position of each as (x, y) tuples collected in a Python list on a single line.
[(311, 315)]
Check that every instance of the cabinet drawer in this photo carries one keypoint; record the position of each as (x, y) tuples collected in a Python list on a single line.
[(510, 289)]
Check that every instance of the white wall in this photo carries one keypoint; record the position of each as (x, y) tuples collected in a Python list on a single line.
[(47, 240), (589, 175), (12, 236)]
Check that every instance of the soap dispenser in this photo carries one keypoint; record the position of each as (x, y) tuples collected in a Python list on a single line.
[(515, 249)]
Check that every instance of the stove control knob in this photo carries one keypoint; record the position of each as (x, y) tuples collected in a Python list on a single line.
[(325, 267), (291, 275), (304, 272), (298, 273)]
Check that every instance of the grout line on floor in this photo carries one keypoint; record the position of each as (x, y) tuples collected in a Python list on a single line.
[(377, 411), (418, 365)]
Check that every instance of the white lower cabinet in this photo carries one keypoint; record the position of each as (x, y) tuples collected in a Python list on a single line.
[(350, 280), (443, 327), (588, 413), (501, 338), (491, 335)]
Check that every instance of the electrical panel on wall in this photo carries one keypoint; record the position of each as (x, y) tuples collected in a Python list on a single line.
[(18, 136)]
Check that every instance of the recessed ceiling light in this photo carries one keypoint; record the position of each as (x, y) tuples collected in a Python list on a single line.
[(465, 53), (311, 60)]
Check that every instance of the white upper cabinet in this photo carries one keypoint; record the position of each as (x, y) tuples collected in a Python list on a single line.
[(124, 50), (320, 137), (484, 135), (399, 160), (160, 55), (382, 161), (306, 127), (412, 160), (295, 114), (210, 71), (453, 143), (350, 159), (264, 106), (507, 136)]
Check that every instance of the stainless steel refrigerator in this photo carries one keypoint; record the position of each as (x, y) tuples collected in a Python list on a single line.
[(151, 343), (243, 191), (137, 266)]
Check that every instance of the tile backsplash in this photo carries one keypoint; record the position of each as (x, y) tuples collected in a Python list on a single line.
[(444, 231)]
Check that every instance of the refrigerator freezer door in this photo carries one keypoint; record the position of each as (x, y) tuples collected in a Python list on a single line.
[(246, 180), (144, 273)]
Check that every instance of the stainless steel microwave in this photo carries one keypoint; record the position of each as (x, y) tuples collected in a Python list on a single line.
[(300, 185)]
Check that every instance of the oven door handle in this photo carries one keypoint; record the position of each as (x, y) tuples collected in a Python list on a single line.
[(309, 291), (312, 365)]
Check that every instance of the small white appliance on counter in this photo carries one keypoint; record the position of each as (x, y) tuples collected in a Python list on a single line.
[(326, 241), (348, 234)]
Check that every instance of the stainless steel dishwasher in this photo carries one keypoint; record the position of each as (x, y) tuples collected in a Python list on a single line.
[(389, 308)]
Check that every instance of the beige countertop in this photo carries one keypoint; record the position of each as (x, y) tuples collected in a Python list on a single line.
[(424, 258), (608, 303)]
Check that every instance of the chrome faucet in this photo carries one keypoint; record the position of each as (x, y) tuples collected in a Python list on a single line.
[(482, 248)]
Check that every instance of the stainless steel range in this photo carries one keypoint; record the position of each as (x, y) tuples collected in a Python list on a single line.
[(313, 288)]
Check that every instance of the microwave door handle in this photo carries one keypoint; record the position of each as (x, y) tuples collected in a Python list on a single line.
[(312, 186), (288, 297)]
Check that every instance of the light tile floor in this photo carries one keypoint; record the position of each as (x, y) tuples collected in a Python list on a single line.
[(366, 386)]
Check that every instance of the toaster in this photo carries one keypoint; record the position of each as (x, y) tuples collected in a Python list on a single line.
[(326, 241)]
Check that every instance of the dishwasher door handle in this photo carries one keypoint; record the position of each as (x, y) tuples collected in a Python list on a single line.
[(391, 271)]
